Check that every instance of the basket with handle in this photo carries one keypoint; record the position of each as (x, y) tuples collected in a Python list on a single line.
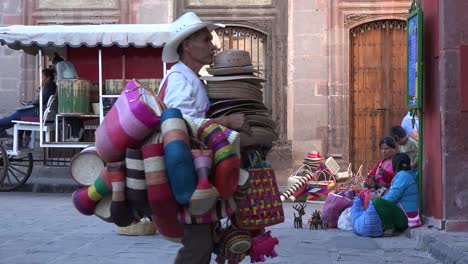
[(262, 206), (319, 188)]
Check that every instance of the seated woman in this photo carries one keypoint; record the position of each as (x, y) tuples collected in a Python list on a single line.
[(379, 178), (382, 174), (396, 210), (48, 89)]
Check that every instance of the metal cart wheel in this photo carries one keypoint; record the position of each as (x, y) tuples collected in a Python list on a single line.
[(18, 171), (3, 163)]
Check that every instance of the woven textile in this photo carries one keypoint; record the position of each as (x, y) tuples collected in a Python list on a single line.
[(262, 206), (135, 114), (160, 197), (85, 199), (121, 211), (226, 162), (319, 188), (334, 205), (135, 182), (179, 165), (318, 191), (205, 194)]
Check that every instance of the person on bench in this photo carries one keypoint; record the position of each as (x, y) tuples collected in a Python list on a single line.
[(30, 111), (66, 70)]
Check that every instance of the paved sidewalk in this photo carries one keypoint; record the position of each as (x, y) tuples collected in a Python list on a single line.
[(41, 228), (447, 247)]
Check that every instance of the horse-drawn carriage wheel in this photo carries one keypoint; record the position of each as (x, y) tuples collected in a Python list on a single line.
[(17, 172), (3, 164)]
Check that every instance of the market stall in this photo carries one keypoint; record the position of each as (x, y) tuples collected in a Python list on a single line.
[(105, 57)]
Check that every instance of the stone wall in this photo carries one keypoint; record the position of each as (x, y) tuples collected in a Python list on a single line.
[(308, 77), (12, 62), (453, 45), (318, 70)]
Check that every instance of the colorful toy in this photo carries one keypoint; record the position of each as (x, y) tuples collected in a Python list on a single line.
[(263, 246)]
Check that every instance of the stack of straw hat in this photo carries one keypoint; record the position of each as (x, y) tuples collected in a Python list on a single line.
[(234, 88), (313, 160)]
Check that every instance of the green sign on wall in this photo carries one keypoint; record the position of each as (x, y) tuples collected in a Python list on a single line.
[(415, 54)]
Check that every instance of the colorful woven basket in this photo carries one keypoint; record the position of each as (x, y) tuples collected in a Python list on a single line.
[(318, 190), (262, 206)]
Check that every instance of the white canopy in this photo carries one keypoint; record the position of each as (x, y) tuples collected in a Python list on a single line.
[(31, 38)]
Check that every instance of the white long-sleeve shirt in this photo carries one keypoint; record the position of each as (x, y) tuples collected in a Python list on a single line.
[(185, 91)]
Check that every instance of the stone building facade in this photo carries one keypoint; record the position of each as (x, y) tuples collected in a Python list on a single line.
[(307, 61)]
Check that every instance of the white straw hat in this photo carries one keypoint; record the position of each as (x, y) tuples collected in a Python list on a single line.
[(181, 29)]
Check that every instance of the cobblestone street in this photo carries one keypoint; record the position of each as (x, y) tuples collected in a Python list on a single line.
[(45, 228)]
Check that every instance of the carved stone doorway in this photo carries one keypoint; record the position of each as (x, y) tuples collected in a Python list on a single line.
[(377, 86)]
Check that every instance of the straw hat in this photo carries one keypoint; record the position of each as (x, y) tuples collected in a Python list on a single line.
[(221, 78), (230, 62), (227, 104), (182, 28), (234, 85), (257, 108), (261, 120), (231, 94), (259, 136)]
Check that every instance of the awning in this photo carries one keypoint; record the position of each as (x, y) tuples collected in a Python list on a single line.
[(51, 37)]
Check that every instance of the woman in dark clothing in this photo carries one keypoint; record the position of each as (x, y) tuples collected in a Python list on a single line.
[(48, 89)]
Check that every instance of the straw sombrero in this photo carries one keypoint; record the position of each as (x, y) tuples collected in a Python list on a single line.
[(229, 62), (230, 102), (249, 104), (181, 29), (232, 78), (236, 109), (259, 136), (261, 120), (233, 95)]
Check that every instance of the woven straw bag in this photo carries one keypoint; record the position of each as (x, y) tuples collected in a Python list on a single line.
[(262, 206)]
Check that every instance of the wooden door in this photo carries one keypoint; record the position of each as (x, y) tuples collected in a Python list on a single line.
[(377, 87)]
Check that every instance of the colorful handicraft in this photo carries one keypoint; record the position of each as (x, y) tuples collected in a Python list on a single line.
[(262, 206), (85, 199), (178, 158), (135, 183), (263, 246), (205, 194), (160, 197), (135, 114), (121, 212), (226, 162)]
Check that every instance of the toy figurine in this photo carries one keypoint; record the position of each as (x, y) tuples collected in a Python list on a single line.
[(315, 220), (298, 219)]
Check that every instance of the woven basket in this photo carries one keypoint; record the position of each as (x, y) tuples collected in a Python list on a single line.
[(138, 229)]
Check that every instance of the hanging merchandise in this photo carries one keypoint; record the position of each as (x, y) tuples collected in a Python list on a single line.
[(263, 206)]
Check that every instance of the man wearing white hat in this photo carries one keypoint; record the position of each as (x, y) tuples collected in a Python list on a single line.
[(191, 47)]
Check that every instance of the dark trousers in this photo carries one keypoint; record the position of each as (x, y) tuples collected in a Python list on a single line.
[(76, 124), (197, 245), (6, 123)]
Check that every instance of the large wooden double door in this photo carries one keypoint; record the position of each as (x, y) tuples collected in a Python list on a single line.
[(377, 86)]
